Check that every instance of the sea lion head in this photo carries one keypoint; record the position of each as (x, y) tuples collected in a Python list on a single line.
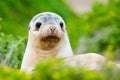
[(47, 30)]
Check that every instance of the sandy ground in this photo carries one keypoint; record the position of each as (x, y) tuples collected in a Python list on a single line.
[(81, 6)]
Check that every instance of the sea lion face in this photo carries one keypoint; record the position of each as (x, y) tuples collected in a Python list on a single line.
[(47, 30)]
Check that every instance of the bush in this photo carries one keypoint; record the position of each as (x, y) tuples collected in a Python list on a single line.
[(7, 73), (11, 50), (101, 30), (55, 70)]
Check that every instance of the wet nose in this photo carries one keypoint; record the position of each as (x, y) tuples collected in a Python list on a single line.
[(52, 29)]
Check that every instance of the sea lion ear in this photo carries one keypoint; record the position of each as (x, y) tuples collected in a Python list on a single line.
[(65, 28), (29, 28)]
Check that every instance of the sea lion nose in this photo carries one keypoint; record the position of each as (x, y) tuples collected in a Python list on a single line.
[(52, 29)]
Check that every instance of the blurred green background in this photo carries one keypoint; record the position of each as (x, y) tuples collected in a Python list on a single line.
[(95, 31)]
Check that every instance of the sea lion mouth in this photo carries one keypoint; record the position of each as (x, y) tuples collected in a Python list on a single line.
[(51, 38), (49, 42)]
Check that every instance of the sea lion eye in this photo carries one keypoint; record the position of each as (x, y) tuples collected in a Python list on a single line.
[(38, 24), (61, 25)]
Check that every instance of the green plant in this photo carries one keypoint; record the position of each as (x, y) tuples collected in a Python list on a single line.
[(11, 50), (52, 69), (101, 30)]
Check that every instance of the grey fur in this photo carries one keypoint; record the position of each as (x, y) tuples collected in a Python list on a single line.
[(47, 18)]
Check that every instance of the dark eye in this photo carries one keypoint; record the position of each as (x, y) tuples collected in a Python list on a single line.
[(61, 25), (38, 24)]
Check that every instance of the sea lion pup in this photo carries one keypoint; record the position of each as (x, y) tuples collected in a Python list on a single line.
[(47, 36)]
